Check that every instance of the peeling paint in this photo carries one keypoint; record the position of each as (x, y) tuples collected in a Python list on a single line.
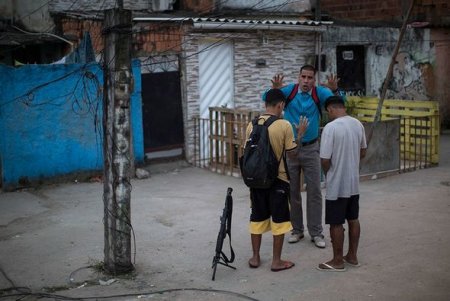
[(412, 75), (407, 79)]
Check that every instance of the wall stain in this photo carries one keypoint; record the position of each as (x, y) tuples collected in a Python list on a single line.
[(409, 79)]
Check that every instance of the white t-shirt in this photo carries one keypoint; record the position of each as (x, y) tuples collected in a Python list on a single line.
[(342, 140)]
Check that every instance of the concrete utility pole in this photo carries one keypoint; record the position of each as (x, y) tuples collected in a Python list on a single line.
[(117, 141)]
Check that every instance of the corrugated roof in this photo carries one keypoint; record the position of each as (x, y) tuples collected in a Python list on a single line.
[(265, 22), (244, 24)]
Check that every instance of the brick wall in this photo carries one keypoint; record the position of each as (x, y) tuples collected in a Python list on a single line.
[(198, 6), (157, 38), (435, 11), (148, 38), (441, 38), (74, 28), (357, 10)]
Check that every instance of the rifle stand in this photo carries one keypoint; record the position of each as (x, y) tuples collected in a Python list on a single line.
[(216, 261)]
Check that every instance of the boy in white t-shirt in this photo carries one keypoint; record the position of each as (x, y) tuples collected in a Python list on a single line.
[(343, 144)]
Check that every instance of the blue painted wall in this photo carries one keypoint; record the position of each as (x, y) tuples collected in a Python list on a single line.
[(51, 120)]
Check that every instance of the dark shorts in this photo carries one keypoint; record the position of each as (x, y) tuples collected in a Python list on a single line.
[(337, 211), (272, 202)]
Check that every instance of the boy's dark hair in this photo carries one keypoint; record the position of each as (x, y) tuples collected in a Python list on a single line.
[(274, 96), (308, 67), (334, 100)]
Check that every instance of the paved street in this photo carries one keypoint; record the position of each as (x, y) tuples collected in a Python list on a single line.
[(49, 236)]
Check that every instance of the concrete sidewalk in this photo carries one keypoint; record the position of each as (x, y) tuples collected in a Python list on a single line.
[(49, 237)]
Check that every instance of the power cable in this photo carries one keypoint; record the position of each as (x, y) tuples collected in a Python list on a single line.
[(221, 40), (62, 297)]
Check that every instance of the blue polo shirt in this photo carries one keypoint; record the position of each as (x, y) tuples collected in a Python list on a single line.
[(303, 105)]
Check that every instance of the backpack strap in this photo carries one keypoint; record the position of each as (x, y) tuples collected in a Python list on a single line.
[(316, 99), (292, 94), (314, 95), (268, 122)]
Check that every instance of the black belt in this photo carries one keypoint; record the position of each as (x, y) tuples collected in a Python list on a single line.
[(309, 142)]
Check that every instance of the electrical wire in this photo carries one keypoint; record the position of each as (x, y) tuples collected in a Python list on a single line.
[(221, 40), (13, 286), (62, 297), (34, 11)]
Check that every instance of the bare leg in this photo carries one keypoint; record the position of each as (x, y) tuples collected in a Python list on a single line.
[(277, 263), (354, 231), (337, 240), (255, 261)]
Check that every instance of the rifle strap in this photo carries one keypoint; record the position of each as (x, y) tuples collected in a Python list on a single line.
[(228, 231)]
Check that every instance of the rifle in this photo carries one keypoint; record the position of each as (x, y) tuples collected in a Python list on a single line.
[(225, 228)]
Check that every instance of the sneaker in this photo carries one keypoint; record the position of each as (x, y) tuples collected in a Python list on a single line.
[(295, 237), (318, 241)]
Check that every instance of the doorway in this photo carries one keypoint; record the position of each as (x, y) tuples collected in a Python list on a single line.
[(351, 69), (162, 115)]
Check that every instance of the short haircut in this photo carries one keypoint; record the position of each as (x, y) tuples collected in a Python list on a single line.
[(274, 96), (308, 67), (334, 101)]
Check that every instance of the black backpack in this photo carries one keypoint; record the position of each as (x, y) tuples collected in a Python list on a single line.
[(259, 165)]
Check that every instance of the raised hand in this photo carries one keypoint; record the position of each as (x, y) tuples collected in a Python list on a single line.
[(332, 82), (277, 81), (303, 124)]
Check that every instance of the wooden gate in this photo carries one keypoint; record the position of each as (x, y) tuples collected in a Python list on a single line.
[(223, 136)]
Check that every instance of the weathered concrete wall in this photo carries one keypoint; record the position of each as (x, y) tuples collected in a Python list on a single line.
[(383, 153), (89, 5), (32, 15), (422, 64), (283, 52), (51, 121), (411, 78)]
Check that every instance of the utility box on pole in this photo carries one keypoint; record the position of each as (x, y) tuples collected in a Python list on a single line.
[(117, 140)]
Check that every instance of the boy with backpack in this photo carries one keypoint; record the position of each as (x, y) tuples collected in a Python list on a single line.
[(269, 197)]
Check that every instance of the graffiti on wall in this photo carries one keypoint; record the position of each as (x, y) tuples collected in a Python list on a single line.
[(408, 79), (359, 92)]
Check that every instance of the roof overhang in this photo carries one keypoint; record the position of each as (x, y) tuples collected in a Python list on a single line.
[(240, 24)]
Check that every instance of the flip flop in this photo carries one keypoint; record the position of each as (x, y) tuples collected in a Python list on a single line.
[(287, 266), (352, 264), (329, 268)]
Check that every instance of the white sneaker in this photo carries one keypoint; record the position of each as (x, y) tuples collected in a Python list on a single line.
[(318, 241), (295, 237)]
